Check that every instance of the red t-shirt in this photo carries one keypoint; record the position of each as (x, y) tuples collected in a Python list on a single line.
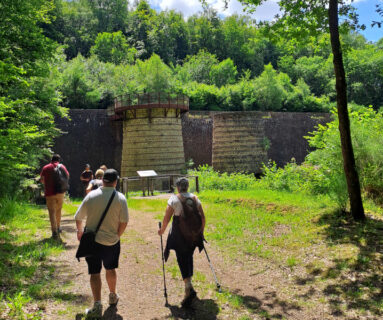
[(47, 173)]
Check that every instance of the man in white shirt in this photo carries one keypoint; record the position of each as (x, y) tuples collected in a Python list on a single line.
[(107, 237)]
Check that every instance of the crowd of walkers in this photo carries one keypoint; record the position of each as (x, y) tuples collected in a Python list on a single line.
[(103, 215)]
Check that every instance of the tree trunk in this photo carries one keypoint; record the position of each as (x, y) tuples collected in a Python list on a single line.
[(353, 185)]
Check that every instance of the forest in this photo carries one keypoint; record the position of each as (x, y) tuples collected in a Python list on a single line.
[(286, 245), (109, 48)]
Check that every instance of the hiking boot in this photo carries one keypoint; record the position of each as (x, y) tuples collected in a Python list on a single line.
[(113, 298), (95, 312), (187, 301)]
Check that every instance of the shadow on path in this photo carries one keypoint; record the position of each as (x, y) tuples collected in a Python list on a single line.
[(205, 309), (355, 280), (109, 314)]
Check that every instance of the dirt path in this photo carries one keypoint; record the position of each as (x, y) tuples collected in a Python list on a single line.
[(253, 288)]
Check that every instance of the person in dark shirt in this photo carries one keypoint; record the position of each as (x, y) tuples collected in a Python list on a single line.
[(54, 200), (86, 176)]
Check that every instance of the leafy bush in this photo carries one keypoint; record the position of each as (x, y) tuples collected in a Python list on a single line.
[(322, 172), (213, 180), (304, 178), (367, 137)]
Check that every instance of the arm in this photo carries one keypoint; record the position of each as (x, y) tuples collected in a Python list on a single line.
[(80, 229), (121, 228), (202, 217), (89, 188), (168, 215), (201, 212), (80, 215)]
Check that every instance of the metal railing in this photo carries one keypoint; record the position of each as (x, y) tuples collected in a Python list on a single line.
[(150, 100), (147, 183)]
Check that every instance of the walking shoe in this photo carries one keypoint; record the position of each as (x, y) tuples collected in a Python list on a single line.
[(95, 312), (113, 298), (55, 235), (187, 301)]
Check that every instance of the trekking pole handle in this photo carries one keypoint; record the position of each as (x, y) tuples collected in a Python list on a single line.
[(159, 224)]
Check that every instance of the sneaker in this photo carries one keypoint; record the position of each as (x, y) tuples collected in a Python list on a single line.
[(187, 301), (113, 298), (95, 312)]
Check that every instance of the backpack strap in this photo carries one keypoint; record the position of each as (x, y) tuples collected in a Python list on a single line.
[(105, 211)]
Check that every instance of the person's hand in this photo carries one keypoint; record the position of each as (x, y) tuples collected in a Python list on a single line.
[(161, 232), (79, 234)]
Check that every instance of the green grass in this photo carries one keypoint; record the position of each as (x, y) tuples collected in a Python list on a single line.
[(26, 273), (307, 235)]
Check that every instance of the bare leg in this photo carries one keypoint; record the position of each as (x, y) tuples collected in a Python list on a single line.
[(188, 285), (95, 284), (111, 279)]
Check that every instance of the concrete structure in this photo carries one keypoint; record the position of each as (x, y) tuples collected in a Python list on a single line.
[(92, 137), (152, 143), (152, 133), (239, 142)]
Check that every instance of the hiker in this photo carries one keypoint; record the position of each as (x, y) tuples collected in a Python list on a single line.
[(95, 183), (55, 178), (107, 237), (86, 176), (185, 234), (103, 167)]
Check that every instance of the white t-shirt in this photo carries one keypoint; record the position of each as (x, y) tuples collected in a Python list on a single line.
[(92, 208), (176, 204)]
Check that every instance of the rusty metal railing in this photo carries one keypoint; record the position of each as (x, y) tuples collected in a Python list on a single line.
[(149, 101)]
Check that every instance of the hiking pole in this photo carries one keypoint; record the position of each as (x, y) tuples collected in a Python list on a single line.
[(163, 267), (212, 270)]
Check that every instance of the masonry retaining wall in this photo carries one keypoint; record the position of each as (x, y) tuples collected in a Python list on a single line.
[(91, 137)]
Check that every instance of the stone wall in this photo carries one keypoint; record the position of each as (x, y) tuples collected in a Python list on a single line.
[(239, 142), (285, 133), (197, 132), (90, 137)]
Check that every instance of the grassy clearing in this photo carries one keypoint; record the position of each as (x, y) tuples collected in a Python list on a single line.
[(331, 260), (26, 273)]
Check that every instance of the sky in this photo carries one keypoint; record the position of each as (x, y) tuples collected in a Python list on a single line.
[(365, 9)]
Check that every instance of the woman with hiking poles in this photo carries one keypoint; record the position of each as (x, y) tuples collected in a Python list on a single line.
[(186, 233)]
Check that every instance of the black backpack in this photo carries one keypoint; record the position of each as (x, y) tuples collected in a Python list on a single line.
[(61, 180), (190, 222)]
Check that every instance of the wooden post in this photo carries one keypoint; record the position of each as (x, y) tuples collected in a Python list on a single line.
[(143, 186), (171, 179), (196, 184)]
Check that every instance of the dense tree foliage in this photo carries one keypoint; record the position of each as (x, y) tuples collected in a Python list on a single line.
[(217, 62), (28, 90)]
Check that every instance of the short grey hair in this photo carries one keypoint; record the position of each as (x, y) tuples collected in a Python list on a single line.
[(182, 184)]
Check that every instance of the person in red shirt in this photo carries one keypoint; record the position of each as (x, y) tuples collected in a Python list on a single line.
[(54, 200)]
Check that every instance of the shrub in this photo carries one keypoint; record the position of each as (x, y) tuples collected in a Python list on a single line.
[(322, 172), (213, 180)]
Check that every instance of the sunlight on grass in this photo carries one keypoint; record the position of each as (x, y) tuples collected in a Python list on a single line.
[(25, 245)]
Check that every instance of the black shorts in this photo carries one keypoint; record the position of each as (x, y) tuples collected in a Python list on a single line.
[(107, 255)]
